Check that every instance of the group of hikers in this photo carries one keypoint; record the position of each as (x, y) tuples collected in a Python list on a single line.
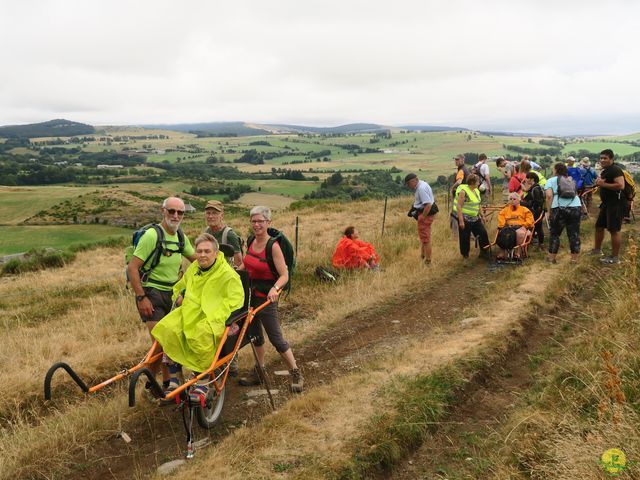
[(563, 201), (186, 313)]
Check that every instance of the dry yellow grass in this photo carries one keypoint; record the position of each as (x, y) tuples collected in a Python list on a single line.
[(102, 333), (317, 432)]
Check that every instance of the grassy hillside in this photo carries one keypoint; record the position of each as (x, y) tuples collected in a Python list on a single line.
[(17, 239), (386, 356)]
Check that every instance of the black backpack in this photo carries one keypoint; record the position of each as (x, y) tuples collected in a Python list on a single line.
[(153, 259), (287, 252), (507, 238)]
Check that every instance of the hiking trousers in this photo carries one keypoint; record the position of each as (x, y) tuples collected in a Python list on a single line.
[(464, 236), (562, 217)]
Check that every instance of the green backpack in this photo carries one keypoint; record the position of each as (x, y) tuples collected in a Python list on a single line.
[(153, 259)]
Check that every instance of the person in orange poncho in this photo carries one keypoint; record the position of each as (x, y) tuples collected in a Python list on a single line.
[(352, 252), (517, 217)]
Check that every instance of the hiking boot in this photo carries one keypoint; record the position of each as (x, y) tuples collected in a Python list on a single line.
[(594, 252), (251, 380), (233, 367), (172, 385), (610, 260), (297, 380)]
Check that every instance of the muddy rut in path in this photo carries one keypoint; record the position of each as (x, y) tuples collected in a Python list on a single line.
[(160, 437)]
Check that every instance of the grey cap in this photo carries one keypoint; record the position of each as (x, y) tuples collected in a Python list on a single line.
[(409, 177)]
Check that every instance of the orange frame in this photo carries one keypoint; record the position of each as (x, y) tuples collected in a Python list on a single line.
[(155, 354)]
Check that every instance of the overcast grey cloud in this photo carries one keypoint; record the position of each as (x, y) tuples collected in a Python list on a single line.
[(545, 66)]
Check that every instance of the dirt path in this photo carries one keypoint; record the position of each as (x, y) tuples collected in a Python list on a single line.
[(160, 437), (487, 401)]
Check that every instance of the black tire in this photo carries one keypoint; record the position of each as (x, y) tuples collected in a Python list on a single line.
[(210, 415)]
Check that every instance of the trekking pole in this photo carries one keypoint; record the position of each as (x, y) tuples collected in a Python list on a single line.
[(384, 216), (263, 377), (296, 235)]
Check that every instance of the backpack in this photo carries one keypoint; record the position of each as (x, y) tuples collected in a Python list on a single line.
[(287, 252), (225, 237), (506, 238), (477, 170), (574, 172), (153, 259), (566, 187), (629, 186), (326, 275), (589, 177)]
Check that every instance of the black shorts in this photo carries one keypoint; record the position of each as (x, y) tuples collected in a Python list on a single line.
[(161, 301), (610, 217)]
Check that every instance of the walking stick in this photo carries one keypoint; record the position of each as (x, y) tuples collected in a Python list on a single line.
[(263, 376)]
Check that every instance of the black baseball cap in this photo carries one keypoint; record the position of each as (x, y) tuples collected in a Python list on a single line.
[(409, 177)]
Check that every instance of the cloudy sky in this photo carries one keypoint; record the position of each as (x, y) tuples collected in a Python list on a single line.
[(559, 66)]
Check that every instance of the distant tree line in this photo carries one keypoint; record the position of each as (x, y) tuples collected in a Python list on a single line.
[(533, 151)]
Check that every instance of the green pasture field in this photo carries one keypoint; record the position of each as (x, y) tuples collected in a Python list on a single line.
[(288, 188), (620, 149), (524, 142), (16, 239), (634, 137), (20, 203)]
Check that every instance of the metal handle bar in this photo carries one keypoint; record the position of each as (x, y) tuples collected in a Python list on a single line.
[(69, 370)]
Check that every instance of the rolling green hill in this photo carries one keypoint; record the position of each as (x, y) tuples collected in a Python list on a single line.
[(52, 128)]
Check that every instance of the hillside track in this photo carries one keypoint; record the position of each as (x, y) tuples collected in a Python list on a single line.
[(333, 353), (491, 395)]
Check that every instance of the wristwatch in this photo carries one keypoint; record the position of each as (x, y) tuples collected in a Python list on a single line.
[(139, 298)]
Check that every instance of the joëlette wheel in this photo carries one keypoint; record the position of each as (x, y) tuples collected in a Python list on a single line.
[(210, 415)]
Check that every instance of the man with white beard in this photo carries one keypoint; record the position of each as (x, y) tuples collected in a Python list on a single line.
[(156, 262)]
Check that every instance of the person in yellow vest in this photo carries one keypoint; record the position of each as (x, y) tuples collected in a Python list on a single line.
[(466, 209)]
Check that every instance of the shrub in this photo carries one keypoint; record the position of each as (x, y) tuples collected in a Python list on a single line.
[(37, 260)]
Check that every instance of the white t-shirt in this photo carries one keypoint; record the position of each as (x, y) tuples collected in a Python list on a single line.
[(424, 194), (484, 171)]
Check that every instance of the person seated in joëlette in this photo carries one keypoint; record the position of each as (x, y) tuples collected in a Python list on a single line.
[(516, 217), (353, 253), (205, 296)]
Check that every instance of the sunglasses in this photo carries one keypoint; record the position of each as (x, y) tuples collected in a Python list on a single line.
[(258, 221), (173, 211)]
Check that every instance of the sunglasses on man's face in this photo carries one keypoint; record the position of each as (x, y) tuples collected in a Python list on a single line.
[(173, 211)]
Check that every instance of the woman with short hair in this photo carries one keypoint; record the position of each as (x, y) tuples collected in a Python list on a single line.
[(267, 285), (206, 295)]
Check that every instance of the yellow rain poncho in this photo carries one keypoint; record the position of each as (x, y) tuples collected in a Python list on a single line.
[(190, 334)]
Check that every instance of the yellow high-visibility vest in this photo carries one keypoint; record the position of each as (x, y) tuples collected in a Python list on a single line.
[(471, 205)]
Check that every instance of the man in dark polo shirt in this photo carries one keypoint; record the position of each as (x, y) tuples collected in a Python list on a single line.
[(611, 183)]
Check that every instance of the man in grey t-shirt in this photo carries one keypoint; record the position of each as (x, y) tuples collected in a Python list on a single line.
[(425, 210), (507, 168)]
